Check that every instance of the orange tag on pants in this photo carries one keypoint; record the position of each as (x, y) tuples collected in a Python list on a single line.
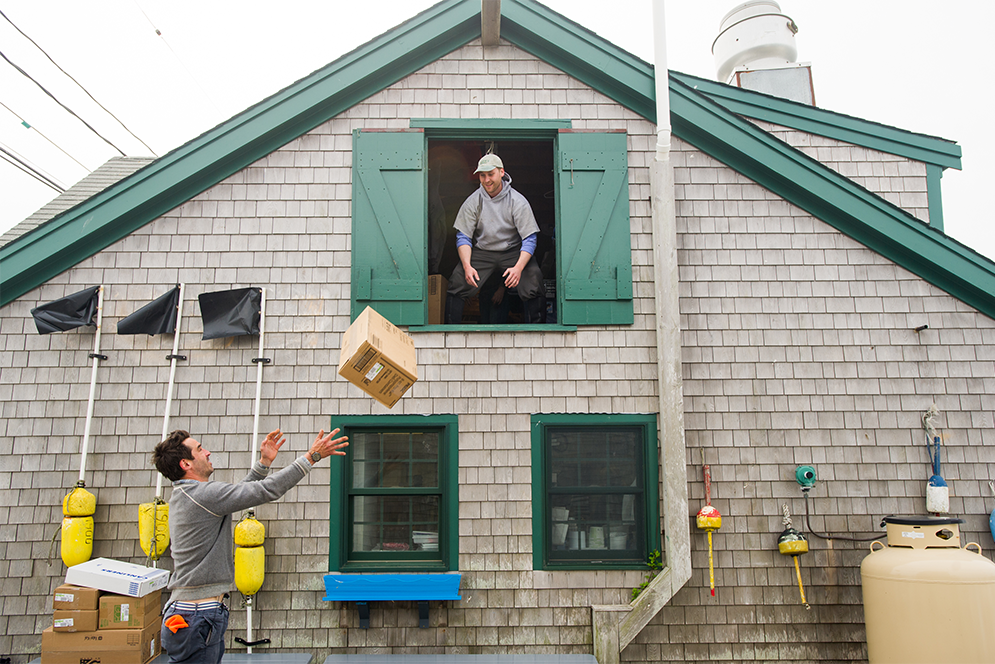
[(175, 623)]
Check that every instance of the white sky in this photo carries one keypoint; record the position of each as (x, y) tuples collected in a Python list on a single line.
[(918, 65)]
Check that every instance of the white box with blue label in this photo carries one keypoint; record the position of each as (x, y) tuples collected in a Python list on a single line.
[(117, 577)]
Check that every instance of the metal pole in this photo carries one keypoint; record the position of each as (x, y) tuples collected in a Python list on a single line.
[(169, 390), (93, 385), (255, 437)]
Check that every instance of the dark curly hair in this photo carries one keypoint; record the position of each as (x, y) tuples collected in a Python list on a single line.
[(167, 455)]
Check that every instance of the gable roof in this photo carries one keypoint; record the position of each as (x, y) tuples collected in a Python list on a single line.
[(111, 171), (703, 113)]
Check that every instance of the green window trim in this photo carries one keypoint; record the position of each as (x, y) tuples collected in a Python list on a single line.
[(651, 483), (340, 520), (593, 243)]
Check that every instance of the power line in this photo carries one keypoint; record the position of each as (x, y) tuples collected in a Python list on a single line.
[(78, 83), (178, 59), (19, 162), (30, 126), (69, 110)]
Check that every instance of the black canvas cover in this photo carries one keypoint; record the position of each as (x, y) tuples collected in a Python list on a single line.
[(230, 313), (156, 317), (70, 312)]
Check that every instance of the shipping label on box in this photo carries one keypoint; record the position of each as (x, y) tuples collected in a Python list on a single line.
[(437, 287), (378, 358), (74, 621), (117, 577), (122, 612), (68, 597)]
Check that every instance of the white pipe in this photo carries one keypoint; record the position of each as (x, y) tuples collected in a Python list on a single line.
[(255, 436), (169, 389), (93, 384), (259, 374), (662, 76)]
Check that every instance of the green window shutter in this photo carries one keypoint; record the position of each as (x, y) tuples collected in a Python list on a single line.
[(389, 225), (593, 231)]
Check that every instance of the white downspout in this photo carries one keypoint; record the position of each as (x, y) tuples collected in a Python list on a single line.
[(615, 627), (668, 333)]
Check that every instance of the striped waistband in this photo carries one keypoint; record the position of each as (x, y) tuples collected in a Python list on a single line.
[(195, 606)]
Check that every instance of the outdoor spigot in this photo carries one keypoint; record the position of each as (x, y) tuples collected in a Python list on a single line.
[(805, 476)]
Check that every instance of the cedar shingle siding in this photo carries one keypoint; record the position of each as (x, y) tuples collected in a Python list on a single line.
[(798, 348)]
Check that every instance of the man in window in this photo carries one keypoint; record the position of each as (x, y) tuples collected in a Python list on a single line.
[(495, 231)]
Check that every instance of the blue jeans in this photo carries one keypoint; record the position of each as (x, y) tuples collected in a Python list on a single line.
[(202, 641)]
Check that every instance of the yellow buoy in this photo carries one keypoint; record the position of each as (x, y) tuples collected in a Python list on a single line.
[(250, 569), (77, 539), (78, 507), (250, 532), (153, 528), (79, 502), (250, 555)]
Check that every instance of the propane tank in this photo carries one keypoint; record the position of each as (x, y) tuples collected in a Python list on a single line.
[(78, 507), (924, 586), (153, 528), (250, 558)]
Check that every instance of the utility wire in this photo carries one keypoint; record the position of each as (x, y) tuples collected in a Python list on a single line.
[(18, 162), (30, 126), (78, 83), (178, 59), (69, 110)]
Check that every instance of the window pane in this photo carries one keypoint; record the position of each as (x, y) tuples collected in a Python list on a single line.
[(397, 460), (595, 497), (395, 523)]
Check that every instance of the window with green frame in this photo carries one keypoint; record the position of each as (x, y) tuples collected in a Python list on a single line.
[(394, 496), (595, 493)]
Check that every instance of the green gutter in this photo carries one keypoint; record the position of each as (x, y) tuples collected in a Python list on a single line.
[(823, 193), (756, 105), (123, 208)]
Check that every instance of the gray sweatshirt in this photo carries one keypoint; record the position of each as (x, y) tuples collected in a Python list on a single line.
[(200, 526), (499, 223)]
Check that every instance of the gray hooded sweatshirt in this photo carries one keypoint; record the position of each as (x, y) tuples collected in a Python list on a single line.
[(499, 223), (200, 526)]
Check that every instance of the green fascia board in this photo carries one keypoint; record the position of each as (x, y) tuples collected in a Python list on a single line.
[(836, 200), (123, 208), (580, 53), (787, 113)]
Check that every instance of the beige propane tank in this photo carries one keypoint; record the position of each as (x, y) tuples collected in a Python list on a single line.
[(925, 598)]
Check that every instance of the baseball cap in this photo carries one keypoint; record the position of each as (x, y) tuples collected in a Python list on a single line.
[(488, 163)]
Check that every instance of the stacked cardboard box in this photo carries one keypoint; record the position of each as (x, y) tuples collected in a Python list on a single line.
[(93, 625)]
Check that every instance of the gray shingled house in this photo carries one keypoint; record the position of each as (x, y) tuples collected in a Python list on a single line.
[(806, 309)]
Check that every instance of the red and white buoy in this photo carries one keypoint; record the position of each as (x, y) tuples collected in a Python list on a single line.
[(709, 520)]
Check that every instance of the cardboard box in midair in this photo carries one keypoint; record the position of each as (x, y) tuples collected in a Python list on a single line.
[(378, 358)]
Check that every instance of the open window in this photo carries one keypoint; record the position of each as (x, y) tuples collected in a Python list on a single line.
[(409, 185)]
